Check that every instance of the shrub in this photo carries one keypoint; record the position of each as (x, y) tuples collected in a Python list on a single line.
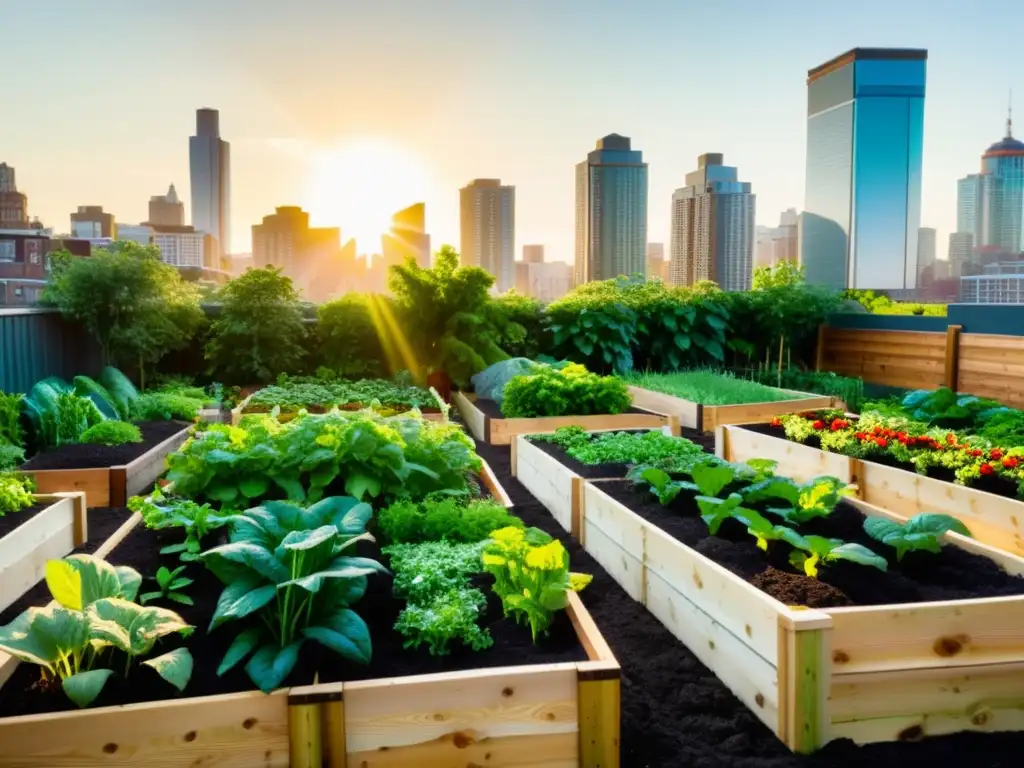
[(569, 391), (10, 418), (11, 456), (348, 341), (524, 332), (15, 492), (112, 433)]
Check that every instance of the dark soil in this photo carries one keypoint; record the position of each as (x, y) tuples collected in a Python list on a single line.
[(617, 469), (81, 456), (678, 714), (12, 520), (491, 409)]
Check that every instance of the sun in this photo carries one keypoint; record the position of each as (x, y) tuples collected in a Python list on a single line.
[(359, 186)]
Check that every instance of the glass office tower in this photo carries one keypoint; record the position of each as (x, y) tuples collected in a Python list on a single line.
[(865, 132)]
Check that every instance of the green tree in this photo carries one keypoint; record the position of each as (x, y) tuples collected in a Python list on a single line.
[(522, 328), (348, 340), (136, 307), (259, 331), (449, 320), (784, 274)]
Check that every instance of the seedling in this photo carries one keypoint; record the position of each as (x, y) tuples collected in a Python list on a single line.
[(171, 584)]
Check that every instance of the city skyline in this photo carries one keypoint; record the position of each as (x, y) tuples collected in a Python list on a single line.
[(277, 121)]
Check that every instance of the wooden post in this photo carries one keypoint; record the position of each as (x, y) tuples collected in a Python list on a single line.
[(805, 665), (722, 442), (599, 705), (333, 724), (819, 352), (305, 741), (952, 355), (316, 720)]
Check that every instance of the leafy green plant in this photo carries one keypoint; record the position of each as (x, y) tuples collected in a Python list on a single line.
[(10, 419), (94, 611), (708, 387), (921, 532), (56, 415), (197, 520), (170, 586), (120, 389), (652, 447), (449, 617), (568, 391), (161, 406), (816, 498), (849, 389), (813, 551), (448, 519), (531, 576), (349, 342), (11, 457), (15, 492), (287, 565), (291, 394), (111, 433)]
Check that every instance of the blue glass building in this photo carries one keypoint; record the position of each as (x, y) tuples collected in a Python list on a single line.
[(865, 133)]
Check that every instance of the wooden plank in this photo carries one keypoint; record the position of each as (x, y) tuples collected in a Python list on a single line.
[(615, 538), (992, 341), (238, 410), (600, 723), (144, 471), (756, 413), (952, 353), (333, 729), (800, 462), (520, 715), (305, 738), (238, 730), (685, 410), (895, 338), (472, 416), (627, 570), (48, 535), (589, 635), (94, 483), (494, 486), (550, 481), (911, 705), (804, 679), (503, 431), (945, 634)]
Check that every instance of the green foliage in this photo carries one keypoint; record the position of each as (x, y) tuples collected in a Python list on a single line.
[(11, 456), (170, 586), (707, 387), (849, 389), (880, 304), (531, 576), (447, 519), (373, 456), (653, 447), (56, 415), (94, 612), (293, 393), (15, 492), (10, 420), (87, 387), (136, 307), (442, 608), (523, 332), (448, 318), (568, 391), (347, 337), (289, 566), (197, 521), (165, 406), (921, 532), (816, 498), (112, 433), (259, 330), (784, 274), (119, 389), (811, 551)]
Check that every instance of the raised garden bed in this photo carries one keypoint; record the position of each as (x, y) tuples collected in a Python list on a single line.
[(108, 475), (484, 420), (871, 672), (244, 409), (992, 519)]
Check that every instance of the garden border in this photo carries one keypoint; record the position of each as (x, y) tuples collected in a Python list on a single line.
[(111, 486), (707, 418), (503, 431), (993, 520)]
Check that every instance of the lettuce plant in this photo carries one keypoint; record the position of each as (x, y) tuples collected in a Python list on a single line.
[(921, 532), (15, 492), (286, 565), (94, 611)]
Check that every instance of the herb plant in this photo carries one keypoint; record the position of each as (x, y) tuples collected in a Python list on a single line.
[(288, 566), (653, 447), (921, 532), (15, 492), (170, 586), (448, 519), (164, 406), (112, 433), (568, 391)]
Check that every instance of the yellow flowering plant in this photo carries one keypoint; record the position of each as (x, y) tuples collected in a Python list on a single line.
[(531, 575)]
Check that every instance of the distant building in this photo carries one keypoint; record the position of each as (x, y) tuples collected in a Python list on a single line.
[(210, 174), (990, 204), (926, 251), (239, 263), (545, 281), (533, 254), (408, 237), (657, 266), (487, 218), (13, 204), (764, 247), (25, 264), (1000, 283), (781, 243), (181, 246), (611, 211), (865, 131), (310, 256), (961, 252), (167, 210), (713, 227), (91, 221)]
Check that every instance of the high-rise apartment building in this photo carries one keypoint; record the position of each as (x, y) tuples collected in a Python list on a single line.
[(657, 266), (926, 250), (969, 204), (533, 254), (210, 174), (306, 254), (961, 251), (865, 133), (167, 210), (611, 211), (487, 218), (90, 221), (713, 229), (408, 237), (13, 204), (990, 204)]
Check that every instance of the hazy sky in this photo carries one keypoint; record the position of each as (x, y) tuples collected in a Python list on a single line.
[(105, 95)]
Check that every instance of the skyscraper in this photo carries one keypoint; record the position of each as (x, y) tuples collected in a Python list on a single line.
[(990, 204), (90, 221), (310, 256), (533, 254), (487, 217), (656, 264), (865, 132), (167, 210), (926, 250), (408, 237), (713, 229), (961, 250), (611, 211), (969, 204), (210, 169)]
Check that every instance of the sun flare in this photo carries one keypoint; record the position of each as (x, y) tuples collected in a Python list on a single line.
[(360, 185)]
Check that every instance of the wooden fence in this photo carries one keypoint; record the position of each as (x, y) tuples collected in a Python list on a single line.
[(981, 364)]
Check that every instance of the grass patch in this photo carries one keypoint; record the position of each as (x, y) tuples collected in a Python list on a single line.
[(708, 387)]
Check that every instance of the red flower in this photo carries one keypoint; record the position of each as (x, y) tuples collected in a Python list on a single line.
[(975, 453), (776, 422), (950, 438), (819, 424), (1010, 462), (861, 435), (839, 424), (996, 454), (986, 469), (881, 442), (877, 430)]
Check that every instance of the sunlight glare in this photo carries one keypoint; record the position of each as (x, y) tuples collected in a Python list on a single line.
[(360, 185)]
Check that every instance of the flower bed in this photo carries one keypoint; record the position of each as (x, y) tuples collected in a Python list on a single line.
[(939, 662), (108, 475), (992, 511)]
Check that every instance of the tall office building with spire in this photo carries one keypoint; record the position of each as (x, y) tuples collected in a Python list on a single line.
[(210, 170), (611, 211)]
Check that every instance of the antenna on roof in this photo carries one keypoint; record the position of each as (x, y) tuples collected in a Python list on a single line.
[(1009, 117)]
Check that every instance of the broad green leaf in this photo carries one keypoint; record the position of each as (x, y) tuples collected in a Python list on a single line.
[(130, 581), (40, 635), (241, 598), (711, 478), (240, 647), (858, 553), (113, 620), (270, 665), (224, 492), (931, 522), (359, 485), (291, 486), (259, 559), (773, 488), (84, 687), (65, 583), (302, 540), (254, 486), (313, 582), (174, 666), (714, 511), (345, 633), (180, 598)]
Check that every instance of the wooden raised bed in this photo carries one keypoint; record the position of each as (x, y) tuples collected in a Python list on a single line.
[(504, 431), (564, 714), (241, 410), (111, 486), (707, 417), (50, 533), (884, 673), (994, 520)]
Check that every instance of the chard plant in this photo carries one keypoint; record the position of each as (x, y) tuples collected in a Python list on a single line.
[(95, 615), (922, 532), (810, 552), (289, 568)]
